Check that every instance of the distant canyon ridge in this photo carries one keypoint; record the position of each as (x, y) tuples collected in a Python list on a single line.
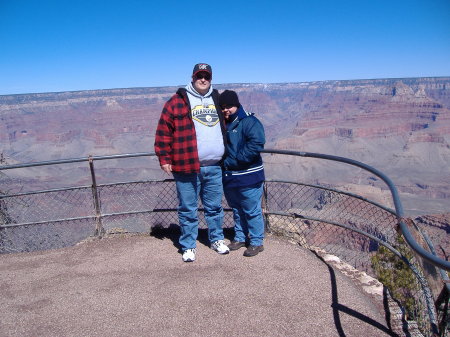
[(399, 126)]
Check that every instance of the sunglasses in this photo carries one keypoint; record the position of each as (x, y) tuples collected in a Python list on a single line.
[(200, 76), (224, 107)]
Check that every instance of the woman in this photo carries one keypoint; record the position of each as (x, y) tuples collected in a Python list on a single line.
[(243, 173)]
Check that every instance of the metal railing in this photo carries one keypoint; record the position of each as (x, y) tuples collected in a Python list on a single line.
[(318, 217)]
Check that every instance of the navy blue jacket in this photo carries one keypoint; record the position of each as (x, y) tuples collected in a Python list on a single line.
[(243, 164)]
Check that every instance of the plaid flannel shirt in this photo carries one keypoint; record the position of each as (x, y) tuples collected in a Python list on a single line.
[(175, 139)]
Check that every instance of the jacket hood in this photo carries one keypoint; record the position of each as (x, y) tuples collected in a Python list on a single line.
[(241, 113), (190, 89)]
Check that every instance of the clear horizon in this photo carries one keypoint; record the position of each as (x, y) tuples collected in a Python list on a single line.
[(222, 84), (53, 46)]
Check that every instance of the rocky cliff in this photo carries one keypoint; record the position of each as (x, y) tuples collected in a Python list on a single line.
[(399, 126)]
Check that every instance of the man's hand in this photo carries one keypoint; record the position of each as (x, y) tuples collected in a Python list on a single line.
[(167, 168)]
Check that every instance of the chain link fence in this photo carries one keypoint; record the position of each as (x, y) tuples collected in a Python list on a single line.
[(319, 218), (57, 218), (325, 218), (353, 229)]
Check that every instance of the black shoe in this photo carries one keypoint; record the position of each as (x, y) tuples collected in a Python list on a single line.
[(253, 250), (235, 245)]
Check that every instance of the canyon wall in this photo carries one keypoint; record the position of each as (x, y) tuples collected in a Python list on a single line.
[(399, 126)]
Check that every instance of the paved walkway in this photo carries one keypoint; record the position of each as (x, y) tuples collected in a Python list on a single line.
[(138, 286)]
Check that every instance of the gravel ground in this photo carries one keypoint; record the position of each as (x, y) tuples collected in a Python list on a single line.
[(139, 286)]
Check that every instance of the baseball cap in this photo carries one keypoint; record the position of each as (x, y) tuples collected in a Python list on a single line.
[(202, 67)]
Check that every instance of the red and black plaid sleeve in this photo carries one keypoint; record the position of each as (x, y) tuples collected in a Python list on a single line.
[(164, 135), (175, 140)]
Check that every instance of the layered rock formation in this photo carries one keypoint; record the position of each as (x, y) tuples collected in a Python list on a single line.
[(399, 126)]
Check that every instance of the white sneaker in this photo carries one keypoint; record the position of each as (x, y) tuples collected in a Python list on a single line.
[(220, 247), (189, 255)]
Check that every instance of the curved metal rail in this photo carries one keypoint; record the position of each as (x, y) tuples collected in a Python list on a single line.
[(433, 259)]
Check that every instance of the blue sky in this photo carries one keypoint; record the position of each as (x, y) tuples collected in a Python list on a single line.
[(48, 46)]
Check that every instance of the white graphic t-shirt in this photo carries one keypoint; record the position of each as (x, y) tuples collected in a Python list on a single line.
[(207, 127)]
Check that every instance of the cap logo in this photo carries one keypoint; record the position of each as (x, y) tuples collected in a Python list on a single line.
[(202, 66)]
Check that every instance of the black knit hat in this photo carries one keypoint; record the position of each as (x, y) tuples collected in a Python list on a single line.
[(230, 98)]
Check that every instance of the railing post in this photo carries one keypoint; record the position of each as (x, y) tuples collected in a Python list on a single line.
[(264, 208), (99, 231)]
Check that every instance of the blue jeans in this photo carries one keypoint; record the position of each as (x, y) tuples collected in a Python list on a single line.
[(247, 213), (208, 185)]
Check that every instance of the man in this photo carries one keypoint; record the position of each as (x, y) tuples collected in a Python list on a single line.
[(190, 143)]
